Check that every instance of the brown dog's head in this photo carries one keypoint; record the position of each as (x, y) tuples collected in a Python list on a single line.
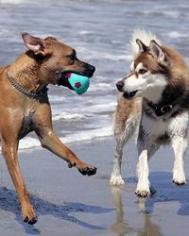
[(56, 59)]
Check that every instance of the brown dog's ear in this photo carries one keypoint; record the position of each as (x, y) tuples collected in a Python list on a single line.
[(157, 52), (35, 44), (141, 45)]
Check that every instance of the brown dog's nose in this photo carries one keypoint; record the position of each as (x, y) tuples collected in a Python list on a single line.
[(89, 70), (120, 85)]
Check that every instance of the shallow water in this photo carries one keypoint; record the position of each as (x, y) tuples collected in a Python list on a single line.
[(100, 32)]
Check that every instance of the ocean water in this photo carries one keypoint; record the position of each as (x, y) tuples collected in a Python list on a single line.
[(100, 32)]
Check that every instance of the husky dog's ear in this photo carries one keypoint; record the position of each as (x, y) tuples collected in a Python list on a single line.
[(35, 44), (157, 51), (141, 45)]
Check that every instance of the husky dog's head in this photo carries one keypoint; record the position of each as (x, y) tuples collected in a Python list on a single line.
[(149, 70)]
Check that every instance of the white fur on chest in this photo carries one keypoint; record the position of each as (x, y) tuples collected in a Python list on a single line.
[(153, 128)]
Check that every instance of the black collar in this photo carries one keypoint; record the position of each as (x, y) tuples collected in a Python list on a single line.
[(37, 95), (160, 109)]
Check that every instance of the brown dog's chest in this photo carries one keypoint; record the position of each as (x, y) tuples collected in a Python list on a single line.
[(27, 124)]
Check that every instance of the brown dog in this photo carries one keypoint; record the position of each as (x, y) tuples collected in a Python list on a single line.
[(24, 106)]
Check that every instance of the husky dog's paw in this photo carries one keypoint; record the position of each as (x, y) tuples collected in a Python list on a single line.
[(179, 183), (145, 192), (116, 180), (179, 179)]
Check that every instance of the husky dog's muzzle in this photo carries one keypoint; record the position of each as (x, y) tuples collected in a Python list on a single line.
[(129, 95), (126, 94)]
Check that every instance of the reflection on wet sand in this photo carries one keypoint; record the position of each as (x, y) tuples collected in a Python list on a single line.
[(150, 228), (122, 228)]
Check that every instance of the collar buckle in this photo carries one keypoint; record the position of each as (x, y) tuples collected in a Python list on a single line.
[(160, 110), (165, 109)]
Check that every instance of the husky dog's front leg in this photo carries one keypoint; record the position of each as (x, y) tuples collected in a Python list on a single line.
[(121, 137), (145, 151), (179, 145), (116, 178), (143, 185), (126, 123)]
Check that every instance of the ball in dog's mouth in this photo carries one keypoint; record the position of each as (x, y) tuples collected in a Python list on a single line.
[(129, 95), (77, 82)]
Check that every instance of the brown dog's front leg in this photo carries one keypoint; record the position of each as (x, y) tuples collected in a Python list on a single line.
[(11, 158), (50, 141)]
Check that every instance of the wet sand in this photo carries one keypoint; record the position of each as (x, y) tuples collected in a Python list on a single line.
[(73, 205)]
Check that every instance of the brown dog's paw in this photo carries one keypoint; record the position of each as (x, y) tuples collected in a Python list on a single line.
[(29, 215), (31, 221), (88, 170)]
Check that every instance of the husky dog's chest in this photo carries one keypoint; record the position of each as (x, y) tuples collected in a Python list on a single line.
[(153, 129), (161, 131)]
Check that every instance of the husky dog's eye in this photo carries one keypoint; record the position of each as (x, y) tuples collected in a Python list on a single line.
[(142, 71)]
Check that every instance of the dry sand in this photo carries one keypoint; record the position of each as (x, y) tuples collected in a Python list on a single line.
[(69, 204)]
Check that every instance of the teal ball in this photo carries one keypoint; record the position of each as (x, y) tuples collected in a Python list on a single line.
[(79, 83)]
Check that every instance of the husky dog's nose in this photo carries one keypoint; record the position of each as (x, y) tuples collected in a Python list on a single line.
[(120, 85)]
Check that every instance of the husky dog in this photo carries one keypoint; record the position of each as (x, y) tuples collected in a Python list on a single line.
[(153, 102)]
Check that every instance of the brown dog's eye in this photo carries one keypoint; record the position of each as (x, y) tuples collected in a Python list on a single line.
[(72, 57), (142, 71)]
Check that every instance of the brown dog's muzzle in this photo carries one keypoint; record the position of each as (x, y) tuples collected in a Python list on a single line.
[(89, 70)]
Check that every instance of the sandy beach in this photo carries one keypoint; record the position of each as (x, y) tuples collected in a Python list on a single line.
[(70, 204)]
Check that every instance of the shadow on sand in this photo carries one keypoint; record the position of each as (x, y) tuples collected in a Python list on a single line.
[(8, 202), (167, 192)]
